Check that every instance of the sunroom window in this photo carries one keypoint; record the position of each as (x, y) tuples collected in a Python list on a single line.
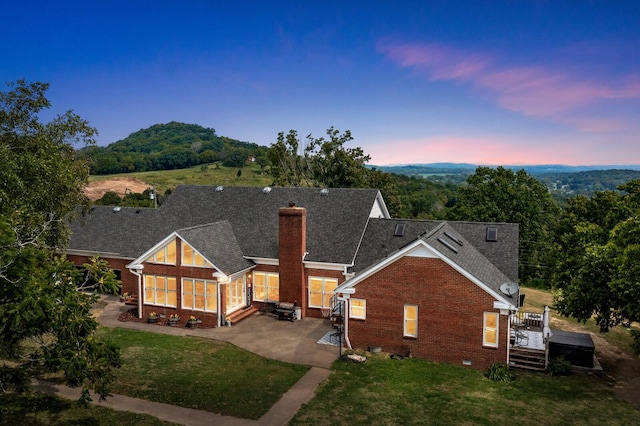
[(192, 257), (200, 295), (160, 290), (166, 255)]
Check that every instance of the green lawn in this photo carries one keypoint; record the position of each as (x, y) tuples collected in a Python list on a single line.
[(220, 175), (46, 410), (199, 373), (383, 391)]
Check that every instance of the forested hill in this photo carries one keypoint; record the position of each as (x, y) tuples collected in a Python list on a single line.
[(171, 146)]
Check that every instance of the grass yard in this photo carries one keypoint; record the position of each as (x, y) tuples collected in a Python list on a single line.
[(199, 373), (383, 391), (212, 175), (46, 410)]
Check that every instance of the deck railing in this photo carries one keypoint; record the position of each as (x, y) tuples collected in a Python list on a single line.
[(533, 321)]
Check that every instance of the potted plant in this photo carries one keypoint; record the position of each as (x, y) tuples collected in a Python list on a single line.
[(152, 317), (174, 319), (192, 322), (125, 296)]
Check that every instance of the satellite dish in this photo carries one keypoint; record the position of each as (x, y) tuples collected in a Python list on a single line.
[(509, 288)]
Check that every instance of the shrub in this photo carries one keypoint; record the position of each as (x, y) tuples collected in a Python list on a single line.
[(499, 372), (559, 366)]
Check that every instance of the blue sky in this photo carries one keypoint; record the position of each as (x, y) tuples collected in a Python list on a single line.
[(483, 82)]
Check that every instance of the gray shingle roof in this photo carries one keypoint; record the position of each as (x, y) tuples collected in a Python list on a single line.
[(458, 249), (335, 222), (380, 242), (217, 243)]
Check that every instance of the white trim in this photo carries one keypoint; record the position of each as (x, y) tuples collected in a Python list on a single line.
[(191, 308), (324, 290), (364, 317), (325, 266), (414, 247), (404, 321), (484, 330), (264, 260), (195, 250), (143, 257), (108, 254)]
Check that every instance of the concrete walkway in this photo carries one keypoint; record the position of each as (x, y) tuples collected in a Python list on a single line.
[(294, 342)]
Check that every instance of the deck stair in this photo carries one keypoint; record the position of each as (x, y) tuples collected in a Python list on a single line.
[(241, 314), (528, 359)]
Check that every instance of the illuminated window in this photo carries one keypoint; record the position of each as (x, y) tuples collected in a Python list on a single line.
[(490, 329), (166, 255), (266, 287), (411, 320), (235, 294), (320, 291), (160, 290), (192, 257), (358, 309), (199, 295)]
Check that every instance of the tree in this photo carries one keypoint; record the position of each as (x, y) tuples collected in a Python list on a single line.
[(45, 322), (500, 195), (321, 162), (596, 271)]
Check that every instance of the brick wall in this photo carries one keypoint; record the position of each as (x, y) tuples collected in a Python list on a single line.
[(292, 236), (450, 314)]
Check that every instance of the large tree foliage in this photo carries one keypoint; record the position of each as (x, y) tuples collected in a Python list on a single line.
[(45, 323), (597, 271), (320, 162), (502, 195)]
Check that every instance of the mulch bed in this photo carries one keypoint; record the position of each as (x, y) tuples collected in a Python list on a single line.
[(132, 316)]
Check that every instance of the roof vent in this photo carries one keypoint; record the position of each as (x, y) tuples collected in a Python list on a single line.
[(116, 209), (266, 190), (492, 233), (399, 231), (447, 245), (324, 191), (219, 188), (453, 238), (138, 211)]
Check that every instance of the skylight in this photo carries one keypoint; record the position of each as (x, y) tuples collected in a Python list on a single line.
[(492, 233), (453, 238), (399, 231)]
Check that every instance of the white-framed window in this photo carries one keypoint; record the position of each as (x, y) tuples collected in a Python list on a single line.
[(358, 309), (199, 295), (490, 329), (160, 290), (320, 291), (266, 286), (191, 257), (166, 255), (235, 294), (410, 320)]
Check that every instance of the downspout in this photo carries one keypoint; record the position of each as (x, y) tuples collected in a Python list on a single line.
[(137, 271)]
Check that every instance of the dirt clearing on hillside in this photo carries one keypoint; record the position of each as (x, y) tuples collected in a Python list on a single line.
[(120, 185)]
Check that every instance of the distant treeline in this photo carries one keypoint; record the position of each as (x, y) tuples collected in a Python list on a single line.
[(171, 146)]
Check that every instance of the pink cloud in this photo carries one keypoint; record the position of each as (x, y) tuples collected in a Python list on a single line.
[(499, 151), (531, 91)]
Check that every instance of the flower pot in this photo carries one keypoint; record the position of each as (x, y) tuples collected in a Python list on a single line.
[(173, 322), (152, 319), (192, 324)]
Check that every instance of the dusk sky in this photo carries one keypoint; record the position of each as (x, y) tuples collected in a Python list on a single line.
[(482, 82)]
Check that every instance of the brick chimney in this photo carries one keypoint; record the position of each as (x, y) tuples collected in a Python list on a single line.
[(291, 249)]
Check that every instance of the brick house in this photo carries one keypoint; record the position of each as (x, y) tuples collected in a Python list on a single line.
[(431, 288)]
